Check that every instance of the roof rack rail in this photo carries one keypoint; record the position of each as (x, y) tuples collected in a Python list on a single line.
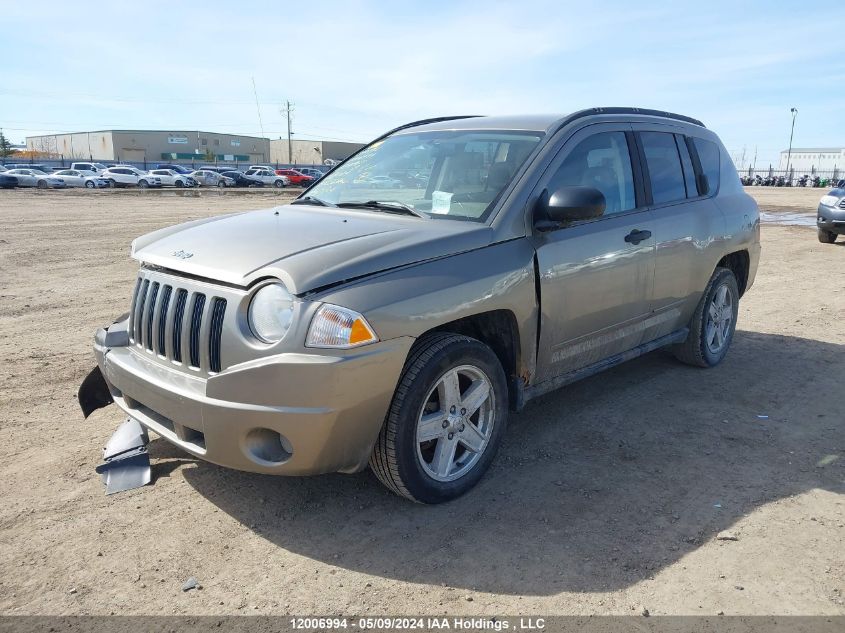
[(426, 122), (616, 110)]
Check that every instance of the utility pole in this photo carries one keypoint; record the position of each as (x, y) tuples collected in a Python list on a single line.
[(286, 111), (794, 112)]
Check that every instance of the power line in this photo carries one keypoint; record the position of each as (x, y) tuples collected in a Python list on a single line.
[(257, 107)]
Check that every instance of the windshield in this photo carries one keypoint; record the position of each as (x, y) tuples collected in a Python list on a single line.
[(449, 174)]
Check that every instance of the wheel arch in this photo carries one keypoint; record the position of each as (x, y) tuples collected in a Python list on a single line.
[(498, 329), (739, 263)]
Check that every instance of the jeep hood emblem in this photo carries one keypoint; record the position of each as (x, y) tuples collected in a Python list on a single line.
[(183, 254)]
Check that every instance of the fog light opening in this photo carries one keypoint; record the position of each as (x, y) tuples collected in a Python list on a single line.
[(268, 447)]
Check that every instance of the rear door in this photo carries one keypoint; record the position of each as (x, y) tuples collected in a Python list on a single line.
[(595, 276), (687, 225)]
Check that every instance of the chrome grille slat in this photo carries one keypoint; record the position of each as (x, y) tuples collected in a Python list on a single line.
[(216, 334), (182, 325), (150, 313), (139, 312), (131, 327), (194, 335), (162, 319), (178, 317)]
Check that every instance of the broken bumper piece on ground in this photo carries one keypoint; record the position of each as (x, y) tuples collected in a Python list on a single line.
[(126, 461)]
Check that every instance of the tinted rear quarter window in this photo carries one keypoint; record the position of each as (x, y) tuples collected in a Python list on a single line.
[(664, 167), (708, 156)]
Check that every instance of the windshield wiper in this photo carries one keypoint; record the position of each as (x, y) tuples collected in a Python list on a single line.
[(390, 206), (313, 200)]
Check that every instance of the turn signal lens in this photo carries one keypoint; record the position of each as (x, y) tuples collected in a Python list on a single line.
[(334, 326)]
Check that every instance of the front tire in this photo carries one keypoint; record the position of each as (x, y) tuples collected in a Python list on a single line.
[(89, 184), (143, 184), (278, 184), (179, 184), (42, 184), (713, 322), (827, 237), (446, 420)]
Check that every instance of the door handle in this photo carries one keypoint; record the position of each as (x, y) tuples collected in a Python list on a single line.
[(636, 236)]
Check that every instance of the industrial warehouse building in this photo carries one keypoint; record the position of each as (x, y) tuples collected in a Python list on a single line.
[(304, 152), (141, 146), (805, 160)]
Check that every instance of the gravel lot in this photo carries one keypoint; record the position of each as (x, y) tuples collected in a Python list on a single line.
[(607, 496)]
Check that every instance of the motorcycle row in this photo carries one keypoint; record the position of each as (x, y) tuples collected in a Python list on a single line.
[(781, 181)]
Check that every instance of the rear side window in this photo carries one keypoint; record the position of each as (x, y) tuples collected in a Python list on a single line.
[(689, 171), (664, 167), (708, 156)]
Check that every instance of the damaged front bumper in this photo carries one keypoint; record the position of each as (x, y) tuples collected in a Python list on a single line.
[(289, 414)]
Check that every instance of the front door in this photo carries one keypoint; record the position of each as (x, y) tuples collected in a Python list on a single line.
[(596, 276)]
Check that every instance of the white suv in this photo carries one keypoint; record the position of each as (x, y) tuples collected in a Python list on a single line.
[(94, 168), (125, 176), (268, 177), (170, 178)]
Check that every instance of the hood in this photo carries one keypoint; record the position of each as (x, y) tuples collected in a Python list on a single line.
[(306, 247)]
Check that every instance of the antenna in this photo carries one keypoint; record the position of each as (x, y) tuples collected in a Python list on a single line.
[(257, 107)]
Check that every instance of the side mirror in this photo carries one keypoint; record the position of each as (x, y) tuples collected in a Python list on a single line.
[(569, 204)]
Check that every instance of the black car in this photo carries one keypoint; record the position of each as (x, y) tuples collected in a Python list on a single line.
[(8, 182), (242, 180)]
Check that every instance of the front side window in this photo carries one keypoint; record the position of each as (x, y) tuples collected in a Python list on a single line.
[(603, 162), (664, 167), (451, 174), (708, 156)]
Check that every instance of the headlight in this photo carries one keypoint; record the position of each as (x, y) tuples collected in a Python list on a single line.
[(334, 326), (830, 201), (271, 312)]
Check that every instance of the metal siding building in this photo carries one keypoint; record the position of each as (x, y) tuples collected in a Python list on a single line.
[(310, 152), (152, 146), (810, 160)]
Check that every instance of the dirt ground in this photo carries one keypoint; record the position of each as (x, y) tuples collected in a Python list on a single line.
[(606, 497)]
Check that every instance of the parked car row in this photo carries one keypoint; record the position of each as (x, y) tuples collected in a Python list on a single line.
[(97, 176)]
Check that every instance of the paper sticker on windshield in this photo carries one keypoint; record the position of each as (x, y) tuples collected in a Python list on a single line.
[(441, 202)]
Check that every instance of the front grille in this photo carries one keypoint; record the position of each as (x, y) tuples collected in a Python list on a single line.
[(173, 324)]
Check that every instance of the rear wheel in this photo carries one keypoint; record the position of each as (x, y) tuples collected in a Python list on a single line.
[(446, 420), (826, 237), (713, 324)]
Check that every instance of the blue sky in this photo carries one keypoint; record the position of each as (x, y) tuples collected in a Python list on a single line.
[(357, 68)]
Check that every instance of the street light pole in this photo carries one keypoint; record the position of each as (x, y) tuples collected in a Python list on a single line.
[(794, 112)]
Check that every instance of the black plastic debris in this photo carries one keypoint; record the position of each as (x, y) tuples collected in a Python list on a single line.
[(126, 461)]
